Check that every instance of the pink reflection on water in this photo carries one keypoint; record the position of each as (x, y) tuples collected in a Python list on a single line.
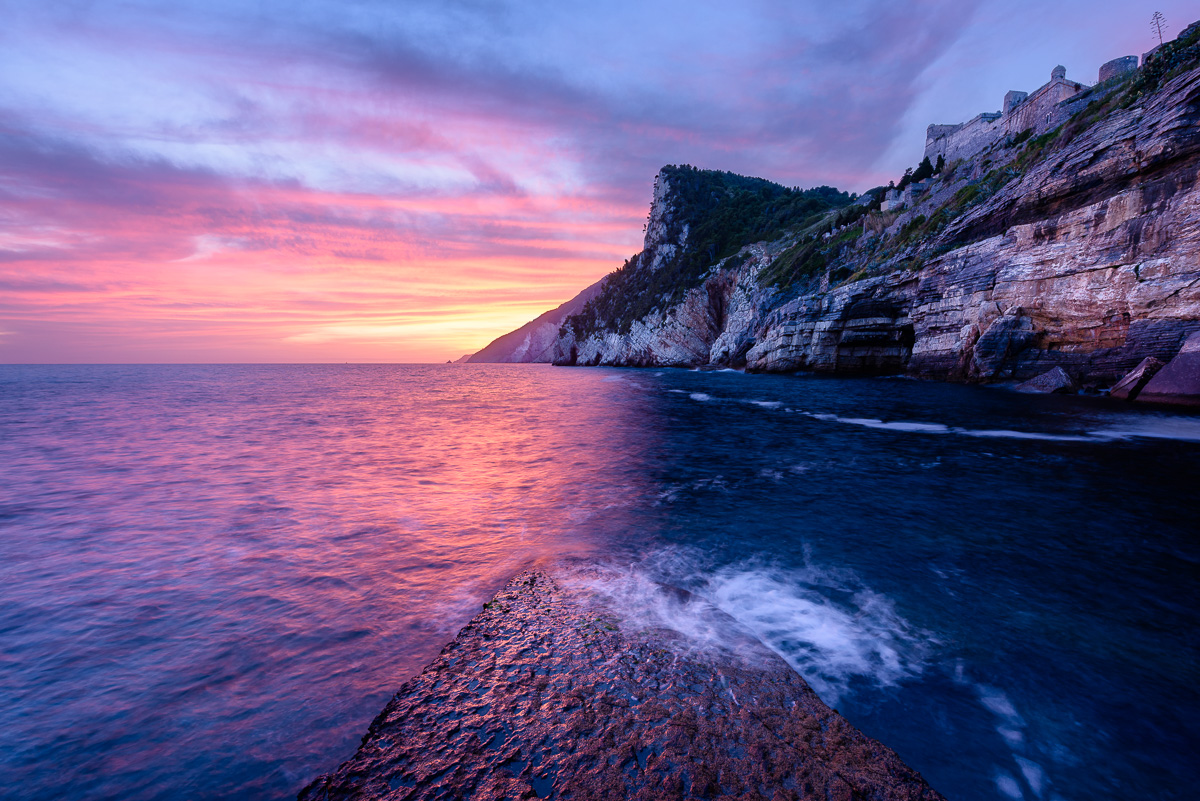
[(215, 576)]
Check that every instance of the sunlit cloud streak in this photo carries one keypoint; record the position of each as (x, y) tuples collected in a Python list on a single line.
[(374, 181)]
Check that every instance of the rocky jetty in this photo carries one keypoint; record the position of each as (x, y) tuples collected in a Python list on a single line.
[(1073, 251), (545, 694)]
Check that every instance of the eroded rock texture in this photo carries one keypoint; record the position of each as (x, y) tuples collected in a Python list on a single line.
[(1086, 261), (544, 695)]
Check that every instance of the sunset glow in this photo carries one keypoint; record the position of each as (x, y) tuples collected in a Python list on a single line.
[(404, 182)]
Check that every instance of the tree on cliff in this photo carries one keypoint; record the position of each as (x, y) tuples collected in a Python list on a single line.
[(924, 170), (1157, 21)]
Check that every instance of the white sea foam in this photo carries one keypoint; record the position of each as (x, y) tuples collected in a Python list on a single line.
[(1033, 435), (700, 396), (922, 428), (1186, 429), (1007, 785), (1010, 725), (828, 626), (1035, 777), (767, 404)]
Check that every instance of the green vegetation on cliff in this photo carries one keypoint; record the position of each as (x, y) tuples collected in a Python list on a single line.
[(722, 213), (819, 238)]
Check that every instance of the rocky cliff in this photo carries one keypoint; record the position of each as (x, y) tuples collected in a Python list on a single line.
[(1078, 250), (534, 342)]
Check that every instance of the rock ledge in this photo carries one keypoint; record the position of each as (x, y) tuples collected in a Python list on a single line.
[(544, 695)]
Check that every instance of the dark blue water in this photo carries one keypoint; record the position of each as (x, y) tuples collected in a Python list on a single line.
[(212, 578)]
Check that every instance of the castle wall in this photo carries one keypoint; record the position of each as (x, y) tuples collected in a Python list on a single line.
[(1040, 110), (966, 140), (1118, 66)]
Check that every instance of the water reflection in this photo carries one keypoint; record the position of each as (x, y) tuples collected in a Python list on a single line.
[(214, 576), (211, 578)]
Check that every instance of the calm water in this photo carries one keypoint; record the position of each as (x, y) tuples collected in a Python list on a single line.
[(212, 578)]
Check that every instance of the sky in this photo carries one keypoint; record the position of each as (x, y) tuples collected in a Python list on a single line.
[(404, 181)]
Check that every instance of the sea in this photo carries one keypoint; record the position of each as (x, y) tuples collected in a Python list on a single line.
[(213, 577)]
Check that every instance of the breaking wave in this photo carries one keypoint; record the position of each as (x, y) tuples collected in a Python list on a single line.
[(831, 628), (1184, 429)]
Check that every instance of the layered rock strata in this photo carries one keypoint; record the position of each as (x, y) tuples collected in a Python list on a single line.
[(1179, 380), (544, 694), (1087, 260)]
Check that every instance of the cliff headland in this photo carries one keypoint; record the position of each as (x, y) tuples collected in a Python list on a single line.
[(1056, 240)]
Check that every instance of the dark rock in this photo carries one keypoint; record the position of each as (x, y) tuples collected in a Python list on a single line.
[(1179, 381), (1053, 381), (1003, 341), (544, 694), (1137, 378)]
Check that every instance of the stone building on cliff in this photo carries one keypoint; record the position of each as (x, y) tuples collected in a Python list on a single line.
[(1044, 110)]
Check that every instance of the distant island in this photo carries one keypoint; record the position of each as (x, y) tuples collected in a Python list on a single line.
[(1052, 244)]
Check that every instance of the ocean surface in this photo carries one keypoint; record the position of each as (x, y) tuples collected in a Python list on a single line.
[(213, 577)]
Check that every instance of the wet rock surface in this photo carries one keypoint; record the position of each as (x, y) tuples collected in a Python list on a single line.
[(1054, 381), (1179, 380), (543, 694), (1136, 379)]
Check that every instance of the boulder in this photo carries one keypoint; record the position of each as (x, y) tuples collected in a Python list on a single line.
[(1005, 339), (1136, 379), (1053, 381), (1179, 381)]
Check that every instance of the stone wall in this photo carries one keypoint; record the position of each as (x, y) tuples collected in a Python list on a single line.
[(1116, 67), (966, 140), (1040, 111)]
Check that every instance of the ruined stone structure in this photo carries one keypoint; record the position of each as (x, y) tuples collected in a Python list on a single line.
[(1040, 111), (1117, 67)]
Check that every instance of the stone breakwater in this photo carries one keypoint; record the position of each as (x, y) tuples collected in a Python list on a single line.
[(544, 695)]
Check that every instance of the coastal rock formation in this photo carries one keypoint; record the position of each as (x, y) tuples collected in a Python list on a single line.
[(545, 695), (1076, 250), (1136, 379), (533, 342), (1054, 381), (1179, 380)]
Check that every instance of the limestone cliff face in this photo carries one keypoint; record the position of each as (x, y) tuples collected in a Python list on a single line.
[(1090, 262), (1087, 258), (533, 343), (663, 237), (710, 326)]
